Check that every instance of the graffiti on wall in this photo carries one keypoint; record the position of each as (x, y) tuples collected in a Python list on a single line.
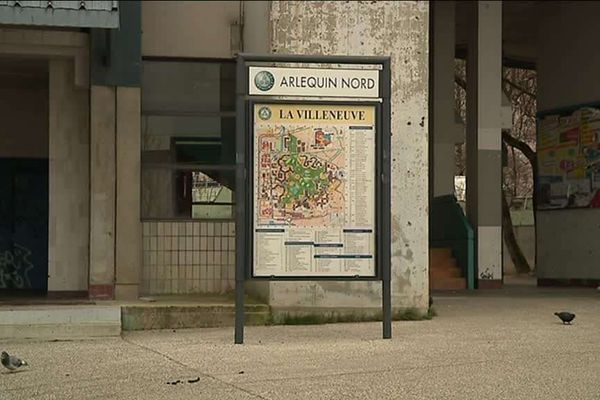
[(14, 268)]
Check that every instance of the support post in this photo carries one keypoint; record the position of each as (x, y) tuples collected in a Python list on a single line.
[(387, 306), (240, 200), (385, 203), (484, 125)]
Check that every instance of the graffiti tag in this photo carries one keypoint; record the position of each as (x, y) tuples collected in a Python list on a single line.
[(14, 268), (487, 274)]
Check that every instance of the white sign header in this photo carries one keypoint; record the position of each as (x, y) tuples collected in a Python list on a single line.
[(279, 81)]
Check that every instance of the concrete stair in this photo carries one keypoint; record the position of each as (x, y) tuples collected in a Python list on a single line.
[(444, 272), (58, 322), (51, 320), (181, 316)]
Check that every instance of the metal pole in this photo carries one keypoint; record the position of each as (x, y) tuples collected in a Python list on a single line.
[(239, 311), (240, 214), (385, 204), (387, 308)]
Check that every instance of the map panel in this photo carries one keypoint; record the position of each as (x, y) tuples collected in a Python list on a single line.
[(314, 190)]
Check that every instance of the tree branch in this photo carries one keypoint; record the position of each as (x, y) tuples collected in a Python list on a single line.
[(460, 82), (519, 88), (521, 146)]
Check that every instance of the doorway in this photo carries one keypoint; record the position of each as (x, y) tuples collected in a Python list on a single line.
[(24, 184)]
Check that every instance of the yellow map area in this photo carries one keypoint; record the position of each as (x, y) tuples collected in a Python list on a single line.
[(301, 164)]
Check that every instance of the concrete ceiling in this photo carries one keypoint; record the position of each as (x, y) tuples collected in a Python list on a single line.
[(23, 72), (519, 30)]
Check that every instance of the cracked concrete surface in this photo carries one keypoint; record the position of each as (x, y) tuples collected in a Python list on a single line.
[(488, 345)]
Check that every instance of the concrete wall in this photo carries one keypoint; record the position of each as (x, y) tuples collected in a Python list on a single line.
[(526, 238), (398, 29), (188, 28), (568, 68), (69, 180)]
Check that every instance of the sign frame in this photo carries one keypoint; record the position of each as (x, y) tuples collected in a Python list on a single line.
[(250, 205), (244, 194)]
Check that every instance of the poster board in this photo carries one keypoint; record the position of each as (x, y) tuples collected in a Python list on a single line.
[(313, 172), (568, 151), (314, 192)]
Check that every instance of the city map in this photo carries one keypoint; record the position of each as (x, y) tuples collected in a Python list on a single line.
[(301, 175), (314, 190)]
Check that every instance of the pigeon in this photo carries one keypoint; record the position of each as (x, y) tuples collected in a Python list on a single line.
[(11, 362), (565, 317)]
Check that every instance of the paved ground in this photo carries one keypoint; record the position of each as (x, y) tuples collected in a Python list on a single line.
[(494, 345)]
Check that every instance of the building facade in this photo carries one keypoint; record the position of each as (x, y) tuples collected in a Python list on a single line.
[(127, 116)]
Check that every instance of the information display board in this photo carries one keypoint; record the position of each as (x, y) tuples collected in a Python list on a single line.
[(568, 152), (314, 190), (313, 172)]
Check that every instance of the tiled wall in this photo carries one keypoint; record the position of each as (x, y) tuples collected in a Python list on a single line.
[(188, 257)]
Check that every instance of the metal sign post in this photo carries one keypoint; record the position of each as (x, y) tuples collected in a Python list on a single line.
[(312, 172)]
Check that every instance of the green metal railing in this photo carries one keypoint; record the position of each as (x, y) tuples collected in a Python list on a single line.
[(448, 227)]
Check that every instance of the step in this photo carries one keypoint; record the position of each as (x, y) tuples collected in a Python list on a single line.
[(182, 316), (447, 263), (445, 272), (59, 322), (448, 283), (437, 254)]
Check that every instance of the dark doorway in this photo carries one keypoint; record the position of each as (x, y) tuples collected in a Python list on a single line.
[(23, 177)]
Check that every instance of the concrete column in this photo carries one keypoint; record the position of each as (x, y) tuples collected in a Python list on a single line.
[(484, 161), (401, 30), (128, 244), (256, 34), (444, 125), (102, 192), (257, 39), (68, 150)]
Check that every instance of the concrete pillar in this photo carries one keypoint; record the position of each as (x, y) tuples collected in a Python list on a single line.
[(115, 234), (102, 192), (257, 39), (256, 34), (444, 125), (484, 161), (68, 151), (128, 244), (400, 30)]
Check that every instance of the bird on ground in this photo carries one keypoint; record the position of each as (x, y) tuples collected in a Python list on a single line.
[(565, 317), (11, 362)]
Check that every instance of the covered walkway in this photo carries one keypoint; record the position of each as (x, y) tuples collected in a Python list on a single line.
[(557, 40)]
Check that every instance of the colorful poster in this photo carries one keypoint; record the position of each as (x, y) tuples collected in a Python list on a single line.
[(314, 190), (568, 152)]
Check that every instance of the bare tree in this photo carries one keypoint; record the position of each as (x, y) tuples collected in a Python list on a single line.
[(520, 87)]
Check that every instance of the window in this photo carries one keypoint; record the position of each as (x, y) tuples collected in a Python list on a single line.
[(188, 140)]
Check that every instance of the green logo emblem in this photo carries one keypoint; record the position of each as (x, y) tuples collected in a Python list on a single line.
[(264, 113), (264, 81)]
